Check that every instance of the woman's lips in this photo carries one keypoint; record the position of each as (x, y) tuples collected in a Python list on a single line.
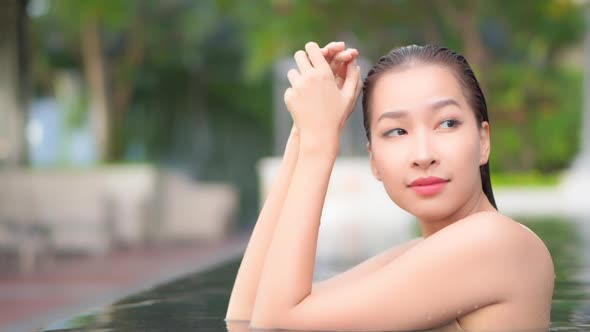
[(428, 186)]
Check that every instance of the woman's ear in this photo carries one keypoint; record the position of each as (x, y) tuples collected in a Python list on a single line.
[(484, 143), (373, 166)]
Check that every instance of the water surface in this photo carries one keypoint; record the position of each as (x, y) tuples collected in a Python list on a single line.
[(198, 302)]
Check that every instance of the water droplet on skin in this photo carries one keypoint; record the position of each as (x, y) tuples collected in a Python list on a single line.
[(459, 312)]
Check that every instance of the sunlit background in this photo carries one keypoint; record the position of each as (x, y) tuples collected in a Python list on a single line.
[(138, 138)]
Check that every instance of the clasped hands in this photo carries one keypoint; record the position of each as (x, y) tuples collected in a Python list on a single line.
[(324, 90)]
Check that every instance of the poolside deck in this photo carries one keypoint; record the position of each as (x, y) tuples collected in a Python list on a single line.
[(72, 286)]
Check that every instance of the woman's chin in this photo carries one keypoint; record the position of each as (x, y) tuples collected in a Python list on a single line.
[(430, 210)]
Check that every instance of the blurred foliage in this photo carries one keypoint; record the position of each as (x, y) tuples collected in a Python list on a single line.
[(535, 116), (529, 179), (514, 46), (503, 30), (171, 66), (188, 82)]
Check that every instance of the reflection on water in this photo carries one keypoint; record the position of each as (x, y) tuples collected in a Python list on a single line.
[(198, 302)]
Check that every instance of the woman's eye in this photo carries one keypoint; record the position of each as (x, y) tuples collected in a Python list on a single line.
[(449, 123), (395, 132)]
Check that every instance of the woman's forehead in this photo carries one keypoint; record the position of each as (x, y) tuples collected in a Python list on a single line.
[(414, 88)]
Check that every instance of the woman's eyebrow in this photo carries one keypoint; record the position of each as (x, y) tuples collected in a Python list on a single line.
[(443, 103), (435, 106), (393, 115)]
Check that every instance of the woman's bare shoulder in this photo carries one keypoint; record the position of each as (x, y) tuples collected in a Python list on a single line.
[(502, 229), (525, 276), (510, 240), (483, 235)]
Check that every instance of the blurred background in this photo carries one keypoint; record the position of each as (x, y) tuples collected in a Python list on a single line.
[(135, 134)]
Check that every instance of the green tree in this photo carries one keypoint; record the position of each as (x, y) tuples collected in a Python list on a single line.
[(84, 24), (514, 47)]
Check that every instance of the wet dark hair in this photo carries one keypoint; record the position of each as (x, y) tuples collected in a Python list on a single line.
[(405, 57)]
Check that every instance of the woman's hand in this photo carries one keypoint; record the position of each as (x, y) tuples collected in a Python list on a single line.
[(318, 106), (294, 132), (338, 56)]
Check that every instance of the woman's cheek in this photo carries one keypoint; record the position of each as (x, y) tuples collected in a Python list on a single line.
[(390, 161), (465, 166), (390, 165), (460, 149)]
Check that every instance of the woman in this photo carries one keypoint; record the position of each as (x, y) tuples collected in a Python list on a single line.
[(429, 144)]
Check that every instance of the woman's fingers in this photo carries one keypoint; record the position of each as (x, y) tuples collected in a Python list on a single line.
[(287, 97), (331, 57), (336, 65), (351, 83), (339, 81), (293, 76), (359, 83), (320, 99), (315, 55), (332, 49), (339, 64), (302, 61), (294, 130), (346, 55)]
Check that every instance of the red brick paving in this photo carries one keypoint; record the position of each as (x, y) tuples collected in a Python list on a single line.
[(74, 284)]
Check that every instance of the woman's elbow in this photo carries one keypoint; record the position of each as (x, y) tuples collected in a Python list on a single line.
[(265, 321), (234, 314)]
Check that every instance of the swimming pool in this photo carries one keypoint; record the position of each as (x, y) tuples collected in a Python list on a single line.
[(198, 302)]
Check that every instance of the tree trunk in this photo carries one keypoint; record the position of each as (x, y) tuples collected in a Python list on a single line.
[(475, 51), (13, 83), (94, 68), (123, 76), (463, 18)]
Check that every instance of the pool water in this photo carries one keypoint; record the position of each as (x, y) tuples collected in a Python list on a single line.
[(198, 302)]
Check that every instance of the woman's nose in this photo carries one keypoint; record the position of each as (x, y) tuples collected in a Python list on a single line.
[(423, 156)]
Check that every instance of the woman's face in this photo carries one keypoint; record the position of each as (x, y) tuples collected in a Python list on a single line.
[(422, 126)]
